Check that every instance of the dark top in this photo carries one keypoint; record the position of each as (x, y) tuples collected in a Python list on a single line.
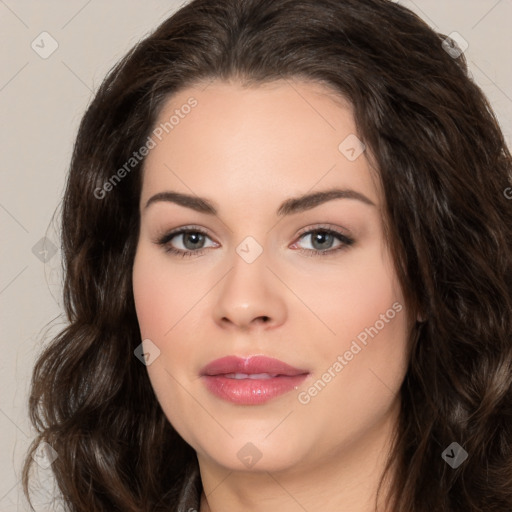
[(190, 496)]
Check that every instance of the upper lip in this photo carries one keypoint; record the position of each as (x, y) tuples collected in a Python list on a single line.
[(250, 365)]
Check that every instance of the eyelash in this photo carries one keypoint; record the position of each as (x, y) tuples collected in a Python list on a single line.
[(165, 239)]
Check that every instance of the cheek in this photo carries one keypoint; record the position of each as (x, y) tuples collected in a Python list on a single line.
[(149, 302), (351, 299), (366, 310), (164, 304), (161, 297), (158, 309)]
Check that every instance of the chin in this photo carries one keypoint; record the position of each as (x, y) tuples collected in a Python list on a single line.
[(254, 453)]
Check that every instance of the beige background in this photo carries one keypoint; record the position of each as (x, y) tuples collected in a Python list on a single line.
[(42, 101)]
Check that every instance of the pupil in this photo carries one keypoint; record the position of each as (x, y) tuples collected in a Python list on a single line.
[(321, 236), (197, 236)]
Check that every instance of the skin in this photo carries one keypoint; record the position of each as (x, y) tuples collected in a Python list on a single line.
[(247, 150)]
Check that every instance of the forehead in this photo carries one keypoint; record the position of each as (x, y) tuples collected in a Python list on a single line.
[(255, 143)]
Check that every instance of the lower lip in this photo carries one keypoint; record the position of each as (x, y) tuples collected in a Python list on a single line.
[(251, 391)]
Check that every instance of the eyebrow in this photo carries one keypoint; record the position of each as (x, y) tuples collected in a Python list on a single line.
[(288, 207)]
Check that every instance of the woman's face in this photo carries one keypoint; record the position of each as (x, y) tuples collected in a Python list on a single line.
[(309, 282)]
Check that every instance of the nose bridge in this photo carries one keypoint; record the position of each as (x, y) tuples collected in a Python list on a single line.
[(248, 292), (250, 250), (248, 277)]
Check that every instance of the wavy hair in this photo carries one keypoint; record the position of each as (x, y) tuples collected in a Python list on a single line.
[(444, 167)]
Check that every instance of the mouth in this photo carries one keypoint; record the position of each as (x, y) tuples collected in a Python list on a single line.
[(251, 381), (239, 376)]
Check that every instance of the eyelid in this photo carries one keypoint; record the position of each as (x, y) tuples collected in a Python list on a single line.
[(165, 235), (343, 235), (326, 227)]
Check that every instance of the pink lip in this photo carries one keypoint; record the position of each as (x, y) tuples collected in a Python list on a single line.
[(249, 391)]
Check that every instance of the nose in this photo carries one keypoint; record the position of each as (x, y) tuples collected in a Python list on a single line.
[(250, 296)]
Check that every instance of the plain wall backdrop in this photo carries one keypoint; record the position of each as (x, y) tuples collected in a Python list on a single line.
[(54, 56)]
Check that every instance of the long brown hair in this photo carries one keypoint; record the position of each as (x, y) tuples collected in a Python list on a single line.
[(444, 168)]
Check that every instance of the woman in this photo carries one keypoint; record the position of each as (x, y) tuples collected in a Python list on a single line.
[(211, 362)]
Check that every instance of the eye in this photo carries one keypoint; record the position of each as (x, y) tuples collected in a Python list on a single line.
[(322, 240), (191, 239)]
